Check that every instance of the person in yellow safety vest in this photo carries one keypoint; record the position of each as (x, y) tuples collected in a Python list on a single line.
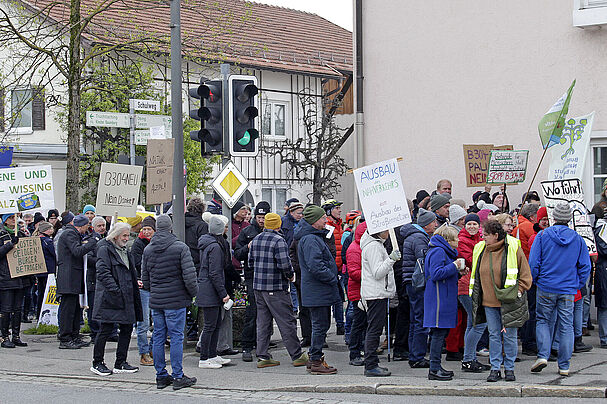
[(499, 261)]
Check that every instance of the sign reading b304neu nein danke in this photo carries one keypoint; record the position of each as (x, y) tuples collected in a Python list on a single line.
[(382, 196), (118, 190)]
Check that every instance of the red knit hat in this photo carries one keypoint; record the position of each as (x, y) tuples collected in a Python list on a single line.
[(542, 213)]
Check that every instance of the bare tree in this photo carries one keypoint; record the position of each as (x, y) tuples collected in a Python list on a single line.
[(314, 156)]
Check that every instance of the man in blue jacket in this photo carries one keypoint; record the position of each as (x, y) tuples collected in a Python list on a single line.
[(560, 266), (319, 287)]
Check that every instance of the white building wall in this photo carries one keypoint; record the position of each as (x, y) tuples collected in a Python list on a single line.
[(441, 74)]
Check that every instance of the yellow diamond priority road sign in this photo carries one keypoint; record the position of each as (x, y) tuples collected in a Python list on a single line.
[(230, 184)]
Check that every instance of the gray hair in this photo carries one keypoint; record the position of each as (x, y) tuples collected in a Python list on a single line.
[(97, 219), (117, 230), (529, 210)]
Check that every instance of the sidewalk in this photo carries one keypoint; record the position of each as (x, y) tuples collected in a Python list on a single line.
[(587, 378)]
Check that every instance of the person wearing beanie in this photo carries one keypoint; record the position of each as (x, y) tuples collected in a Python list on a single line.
[(169, 275), (439, 204), (52, 216), (560, 266), (457, 215), (289, 222), (319, 281), (148, 228), (34, 225), (415, 244), (289, 202), (269, 257), (195, 227), (241, 253), (541, 224), (484, 215), (500, 199), (71, 249), (422, 200), (89, 211)]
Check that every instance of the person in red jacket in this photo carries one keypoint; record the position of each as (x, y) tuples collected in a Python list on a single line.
[(333, 211), (526, 218), (359, 317)]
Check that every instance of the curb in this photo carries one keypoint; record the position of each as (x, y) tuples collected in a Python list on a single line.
[(530, 390), (525, 390)]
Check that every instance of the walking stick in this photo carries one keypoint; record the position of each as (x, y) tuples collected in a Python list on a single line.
[(388, 331)]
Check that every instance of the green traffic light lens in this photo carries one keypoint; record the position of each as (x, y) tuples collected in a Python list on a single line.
[(245, 139)]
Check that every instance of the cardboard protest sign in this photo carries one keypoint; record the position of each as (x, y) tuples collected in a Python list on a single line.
[(26, 258), (571, 192), (159, 171), (569, 155), (49, 311), (507, 166), (118, 189), (26, 188), (382, 196), (476, 162)]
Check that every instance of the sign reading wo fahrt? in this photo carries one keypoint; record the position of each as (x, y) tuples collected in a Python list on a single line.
[(382, 196)]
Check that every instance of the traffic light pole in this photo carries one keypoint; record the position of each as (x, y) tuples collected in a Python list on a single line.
[(176, 114), (225, 75)]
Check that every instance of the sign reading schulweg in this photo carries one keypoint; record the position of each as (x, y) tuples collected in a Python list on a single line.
[(118, 190), (382, 196), (26, 258), (571, 192), (507, 166), (26, 188)]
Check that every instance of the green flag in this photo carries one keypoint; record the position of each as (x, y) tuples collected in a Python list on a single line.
[(552, 123)]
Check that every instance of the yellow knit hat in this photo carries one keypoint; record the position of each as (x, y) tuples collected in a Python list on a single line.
[(272, 221)]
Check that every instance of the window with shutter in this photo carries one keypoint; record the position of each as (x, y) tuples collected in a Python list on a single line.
[(38, 109)]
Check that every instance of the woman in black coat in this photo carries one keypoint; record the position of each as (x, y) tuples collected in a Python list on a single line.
[(117, 299), (212, 291)]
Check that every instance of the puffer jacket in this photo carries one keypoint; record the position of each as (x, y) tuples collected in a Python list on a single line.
[(167, 271), (415, 245), (464, 250), (337, 233), (354, 263), (195, 227), (440, 295), (319, 285), (117, 298), (211, 278), (377, 280)]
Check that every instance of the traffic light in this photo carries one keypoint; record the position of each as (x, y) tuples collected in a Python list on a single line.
[(210, 115), (243, 116)]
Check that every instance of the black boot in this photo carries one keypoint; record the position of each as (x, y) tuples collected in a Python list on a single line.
[(579, 346), (16, 326), (5, 318)]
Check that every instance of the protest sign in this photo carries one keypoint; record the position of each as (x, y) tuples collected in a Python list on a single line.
[(569, 155), (26, 188), (382, 196), (26, 258), (507, 166), (118, 190), (476, 162), (49, 311), (570, 191), (159, 171)]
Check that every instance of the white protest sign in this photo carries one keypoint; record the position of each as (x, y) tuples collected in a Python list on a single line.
[(569, 156), (26, 188), (570, 191), (382, 196), (118, 189), (50, 305), (507, 166)]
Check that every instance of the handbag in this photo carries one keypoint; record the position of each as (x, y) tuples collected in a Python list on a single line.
[(418, 279), (505, 295)]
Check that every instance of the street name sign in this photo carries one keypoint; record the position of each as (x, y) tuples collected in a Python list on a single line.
[(107, 119), (145, 105)]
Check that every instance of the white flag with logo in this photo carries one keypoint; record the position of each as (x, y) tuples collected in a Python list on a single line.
[(569, 156)]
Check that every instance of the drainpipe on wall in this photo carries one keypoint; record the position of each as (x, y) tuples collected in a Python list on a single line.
[(360, 121)]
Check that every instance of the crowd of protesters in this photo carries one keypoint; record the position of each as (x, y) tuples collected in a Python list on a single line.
[(465, 281)]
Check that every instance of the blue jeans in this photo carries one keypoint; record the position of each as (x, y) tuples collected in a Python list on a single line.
[(321, 321), (473, 332), (418, 335), (294, 300), (144, 326), (436, 345), (578, 314), (499, 339), (171, 322), (602, 320), (562, 304)]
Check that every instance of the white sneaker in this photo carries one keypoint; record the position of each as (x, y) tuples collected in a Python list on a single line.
[(563, 372), (539, 364), (482, 352), (220, 360), (208, 364)]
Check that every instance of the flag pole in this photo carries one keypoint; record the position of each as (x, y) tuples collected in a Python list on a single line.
[(536, 171)]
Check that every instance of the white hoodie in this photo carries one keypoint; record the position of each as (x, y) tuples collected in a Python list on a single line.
[(377, 275)]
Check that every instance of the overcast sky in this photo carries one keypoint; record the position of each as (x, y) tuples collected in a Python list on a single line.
[(336, 11)]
